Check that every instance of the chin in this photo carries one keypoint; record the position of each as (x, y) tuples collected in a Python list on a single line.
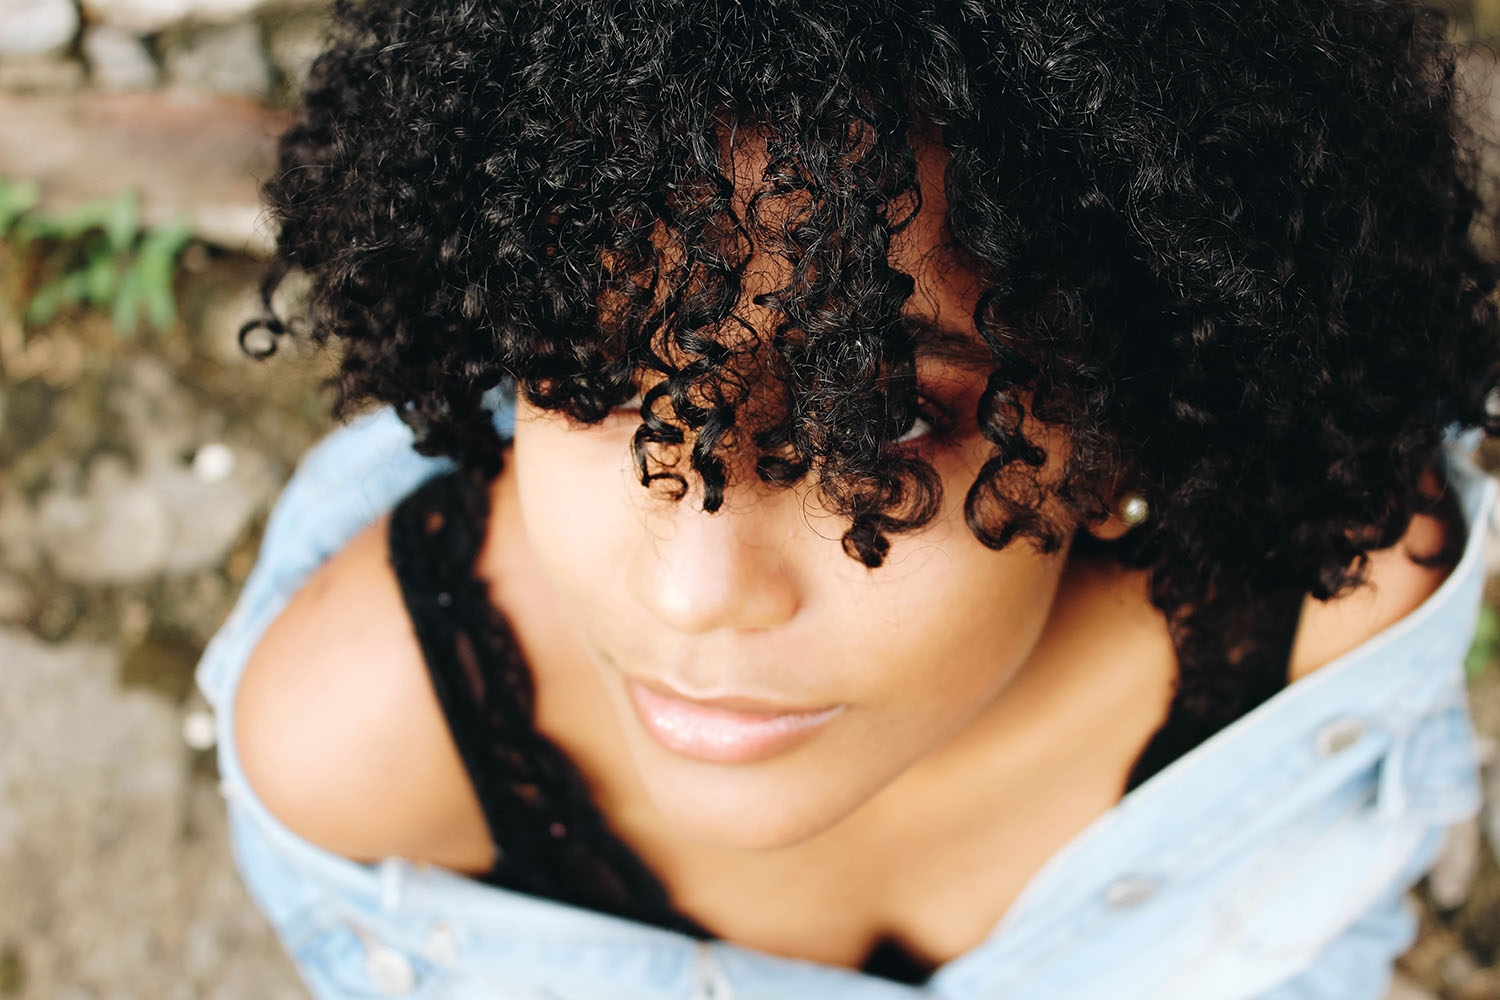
[(740, 812)]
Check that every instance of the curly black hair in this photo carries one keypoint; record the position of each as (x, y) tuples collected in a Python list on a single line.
[(1233, 251)]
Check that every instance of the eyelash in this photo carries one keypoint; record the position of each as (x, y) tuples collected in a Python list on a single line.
[(938, 420), (907, 438), (934, 416)]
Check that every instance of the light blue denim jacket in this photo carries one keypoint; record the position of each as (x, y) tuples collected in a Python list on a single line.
[(1270, 862)]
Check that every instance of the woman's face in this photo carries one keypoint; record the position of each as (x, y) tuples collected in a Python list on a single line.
[(759, 600)]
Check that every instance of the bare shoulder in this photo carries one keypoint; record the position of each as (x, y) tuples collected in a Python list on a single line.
[(339, 730), (1397, 587)]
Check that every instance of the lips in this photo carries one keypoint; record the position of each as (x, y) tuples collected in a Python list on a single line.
[(723, 730), (748, 706)]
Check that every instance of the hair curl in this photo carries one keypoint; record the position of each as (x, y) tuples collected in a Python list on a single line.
[(1230, 248)]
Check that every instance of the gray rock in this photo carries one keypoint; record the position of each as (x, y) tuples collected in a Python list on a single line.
[(1456, 968), (144, 16), (1452, 876), (36, 27), (220, 146), (115, 865), (116, 531), (230, 308), (123, 524), (227, 61), (294, 42), (118, 60), (1487, 750), (16, 599), (225, 313), (20, 551), (1403, 988)]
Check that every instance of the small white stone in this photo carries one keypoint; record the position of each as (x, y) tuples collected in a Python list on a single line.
[(198, 729), (118, 59), (213, 462)]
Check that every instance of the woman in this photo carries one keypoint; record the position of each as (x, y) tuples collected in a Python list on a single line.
[(912, 499)]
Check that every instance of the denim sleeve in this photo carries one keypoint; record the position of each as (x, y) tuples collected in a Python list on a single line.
[(1358, 964), (341, 483)]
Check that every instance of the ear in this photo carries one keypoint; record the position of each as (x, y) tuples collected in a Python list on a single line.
[(1129, 510), (1108, 529)]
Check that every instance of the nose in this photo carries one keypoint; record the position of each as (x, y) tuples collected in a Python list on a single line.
[(698, 572)]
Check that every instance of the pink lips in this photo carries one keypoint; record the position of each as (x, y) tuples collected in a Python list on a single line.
[(722, 735)]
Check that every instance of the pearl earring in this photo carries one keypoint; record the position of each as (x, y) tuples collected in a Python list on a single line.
[(1492, 410), (1133, 509)]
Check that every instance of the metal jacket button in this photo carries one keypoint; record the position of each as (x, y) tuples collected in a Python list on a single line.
[(442, 946), (389, 970), (1338, 736), (1129, 891)]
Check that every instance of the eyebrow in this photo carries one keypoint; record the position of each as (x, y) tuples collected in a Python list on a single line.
[(942, 343)]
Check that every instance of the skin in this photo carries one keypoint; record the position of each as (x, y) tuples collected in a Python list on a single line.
[(760, 600)]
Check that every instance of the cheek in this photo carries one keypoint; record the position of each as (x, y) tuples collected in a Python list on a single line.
[(960, 630), (950, 620), (573, 508)]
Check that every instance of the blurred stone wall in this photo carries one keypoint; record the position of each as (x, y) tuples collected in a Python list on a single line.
[(229, 48), (179, 99)]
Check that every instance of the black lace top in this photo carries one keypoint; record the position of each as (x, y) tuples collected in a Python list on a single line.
[(550, 839)]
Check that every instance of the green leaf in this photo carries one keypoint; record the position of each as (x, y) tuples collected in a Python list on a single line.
[(67, 290), (122, 221), (73, 224), (103, 278), (16, 199), (1486, 645), (126, 313), (164, 244), (156, 263)]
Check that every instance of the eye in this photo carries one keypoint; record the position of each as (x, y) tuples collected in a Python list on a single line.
[(921, 426), (934, 423)]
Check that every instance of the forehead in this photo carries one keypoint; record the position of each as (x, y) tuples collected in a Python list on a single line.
[(947, 286), (923, 243)]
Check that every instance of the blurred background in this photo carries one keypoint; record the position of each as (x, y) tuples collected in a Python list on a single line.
[(140, 450)]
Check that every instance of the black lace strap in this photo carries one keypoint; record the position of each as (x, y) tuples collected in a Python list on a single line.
[(550, 838), (1263, 671)]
